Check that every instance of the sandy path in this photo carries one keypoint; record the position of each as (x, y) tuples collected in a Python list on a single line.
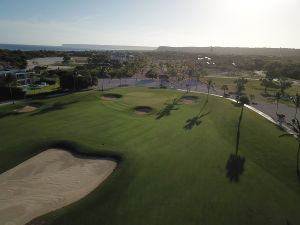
[(48, 181)]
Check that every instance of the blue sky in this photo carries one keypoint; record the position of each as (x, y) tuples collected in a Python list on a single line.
[(256, 23)]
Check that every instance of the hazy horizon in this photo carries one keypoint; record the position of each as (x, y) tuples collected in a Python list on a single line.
[(146, 46), (191, 23)]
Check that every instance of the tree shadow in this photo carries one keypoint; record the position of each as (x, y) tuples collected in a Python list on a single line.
[(56, 106), (6, 114), (235, 163), (235, 167), (169, 107), (196, 120), (238, 132), (287, 222)]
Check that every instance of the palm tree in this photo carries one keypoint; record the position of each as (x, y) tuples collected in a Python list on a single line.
[(172, 72), (151, 74), (66, 59), (252, 98), (197, 81), (266, 83), (240, 86), (224, 88), (277, 97), (140, 67), (284, 84), (209, 85), (102, 73), (295, 126), (9, 80), (296, 101), (190, 73)]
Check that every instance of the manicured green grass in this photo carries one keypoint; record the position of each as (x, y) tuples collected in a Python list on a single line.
[(253, 87), (168, 174), (46, 89)]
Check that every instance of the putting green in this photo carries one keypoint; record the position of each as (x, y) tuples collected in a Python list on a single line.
[(174, 162)]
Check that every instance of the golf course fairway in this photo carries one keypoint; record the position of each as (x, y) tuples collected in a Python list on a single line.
[(174, 163)]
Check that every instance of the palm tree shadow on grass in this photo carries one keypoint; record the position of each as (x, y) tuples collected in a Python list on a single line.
[(287, 222), (56, 106), (169, 107), (235, 167), (196, 120), (236, 164), (295, 127)]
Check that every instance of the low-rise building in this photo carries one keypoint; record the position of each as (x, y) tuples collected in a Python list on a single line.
[(22, 76)]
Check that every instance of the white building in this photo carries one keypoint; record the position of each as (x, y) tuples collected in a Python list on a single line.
[(22, 76)]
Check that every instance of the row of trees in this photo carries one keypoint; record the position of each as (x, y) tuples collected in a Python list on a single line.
[(287, 69), (99, 67), (177, 72)]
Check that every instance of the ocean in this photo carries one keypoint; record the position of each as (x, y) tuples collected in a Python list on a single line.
[(76, 47), (37, 47)]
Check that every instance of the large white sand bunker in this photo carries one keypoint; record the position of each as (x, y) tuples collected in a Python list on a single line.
[(48, 181)]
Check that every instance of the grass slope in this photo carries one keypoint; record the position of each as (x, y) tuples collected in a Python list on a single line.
[(172, 172)]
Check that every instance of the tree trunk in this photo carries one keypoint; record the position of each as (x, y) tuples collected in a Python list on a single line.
[(11, 95), (295, 116), (207, 94), (102, 88), (74, 83), (277, 108), (298, 153)]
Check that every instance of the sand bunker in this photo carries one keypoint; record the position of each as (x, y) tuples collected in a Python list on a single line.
[(142, 109), (26, 109), (111, 96), (48, 181), (29, 108), (189, 99)]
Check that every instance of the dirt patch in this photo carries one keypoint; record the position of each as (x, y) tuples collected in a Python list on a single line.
[(26, 109), (142, 109), (48, 181), (111, 96), (189, 99)]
